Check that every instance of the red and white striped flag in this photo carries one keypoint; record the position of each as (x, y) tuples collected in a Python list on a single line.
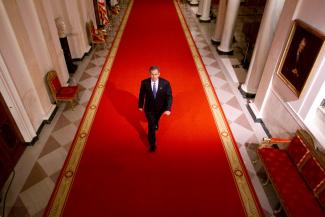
[(103, 13)]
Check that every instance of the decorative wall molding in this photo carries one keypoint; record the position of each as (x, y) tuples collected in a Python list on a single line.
[(290, 110), (14, 103)]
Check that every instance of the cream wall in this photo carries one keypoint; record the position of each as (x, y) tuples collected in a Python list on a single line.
[(30, 47), (280, 109), (29, 86), (75, 14), (52, 43), (14, 98)]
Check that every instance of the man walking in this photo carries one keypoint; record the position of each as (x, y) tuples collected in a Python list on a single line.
[(156, 97)]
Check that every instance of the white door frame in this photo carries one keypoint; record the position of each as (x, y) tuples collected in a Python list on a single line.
[(15, 104)]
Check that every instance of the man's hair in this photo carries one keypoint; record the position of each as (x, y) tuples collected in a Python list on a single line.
[(154, 68)]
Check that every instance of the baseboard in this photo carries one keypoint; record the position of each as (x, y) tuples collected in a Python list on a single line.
[(48, 119), (45, 121), (253, 115), (85, 54), (246, 94), (258, 120), (229, 53)]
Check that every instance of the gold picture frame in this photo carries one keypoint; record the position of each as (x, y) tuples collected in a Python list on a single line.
[(299, 56)]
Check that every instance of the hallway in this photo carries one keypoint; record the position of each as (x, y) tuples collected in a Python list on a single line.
[(50, 152)]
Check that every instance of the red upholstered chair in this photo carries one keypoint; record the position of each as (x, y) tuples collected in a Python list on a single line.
[(60, 93), (321, 195), (95, 36), (313, 173), (296, 170), (298, 151)]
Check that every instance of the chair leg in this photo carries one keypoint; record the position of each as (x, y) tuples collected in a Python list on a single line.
[(278, 209), (266, 181), (58, 103), (77, 98), (72, 105)]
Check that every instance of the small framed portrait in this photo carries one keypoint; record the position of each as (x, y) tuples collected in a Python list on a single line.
[(299, 56)]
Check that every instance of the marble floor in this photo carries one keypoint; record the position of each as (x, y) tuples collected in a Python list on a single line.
[(40, 165)]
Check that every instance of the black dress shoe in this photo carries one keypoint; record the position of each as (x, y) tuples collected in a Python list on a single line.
[(152, 148)]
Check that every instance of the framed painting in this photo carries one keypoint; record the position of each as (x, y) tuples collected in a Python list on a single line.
[(299, 56)]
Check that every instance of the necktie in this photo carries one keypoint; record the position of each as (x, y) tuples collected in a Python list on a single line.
[(154, 90)]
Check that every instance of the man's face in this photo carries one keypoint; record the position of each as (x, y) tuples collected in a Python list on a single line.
[(154, 74)]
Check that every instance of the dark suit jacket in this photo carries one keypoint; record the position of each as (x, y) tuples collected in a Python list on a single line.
[(303, 66), (164, 98)]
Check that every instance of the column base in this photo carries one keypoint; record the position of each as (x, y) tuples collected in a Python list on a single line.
[(205, 20), (254, 113), (244, 93), (214, 42), (220, 52)]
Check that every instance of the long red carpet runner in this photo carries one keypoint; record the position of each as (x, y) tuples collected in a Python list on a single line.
[(196, 171)]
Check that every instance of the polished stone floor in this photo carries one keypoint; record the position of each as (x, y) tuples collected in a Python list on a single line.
[(40, 165)]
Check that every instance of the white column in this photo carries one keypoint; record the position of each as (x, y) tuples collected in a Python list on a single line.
[(205, 17), (263, 43), (220, 21), (278, 43), (90, 11), (38, 42), (83, 20), (229, 27), (55, 42), (200, 8), (34, 30), (16, 66), (78, 43), (194, 2)]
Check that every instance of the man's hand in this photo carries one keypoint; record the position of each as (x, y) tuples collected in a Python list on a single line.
[(140, 109), (167, 113)]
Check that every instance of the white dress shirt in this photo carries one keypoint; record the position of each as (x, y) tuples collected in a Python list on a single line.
[(157, 83)]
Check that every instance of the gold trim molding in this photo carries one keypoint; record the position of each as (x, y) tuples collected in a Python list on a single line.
[(63, 187), (243, 185)]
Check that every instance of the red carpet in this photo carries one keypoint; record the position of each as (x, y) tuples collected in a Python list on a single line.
[(189, 175)]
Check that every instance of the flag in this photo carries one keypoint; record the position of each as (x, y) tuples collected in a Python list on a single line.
[(103, 13)]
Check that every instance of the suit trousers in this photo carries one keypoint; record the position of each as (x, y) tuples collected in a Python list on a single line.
[(153, 120)]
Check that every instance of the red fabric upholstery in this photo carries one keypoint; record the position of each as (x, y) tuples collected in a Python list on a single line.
[(93, 30), (56, 84), (313, 173), (297, 150), (297, 199), (58, 92), (321, 198), (97, 37), (67, 92)]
